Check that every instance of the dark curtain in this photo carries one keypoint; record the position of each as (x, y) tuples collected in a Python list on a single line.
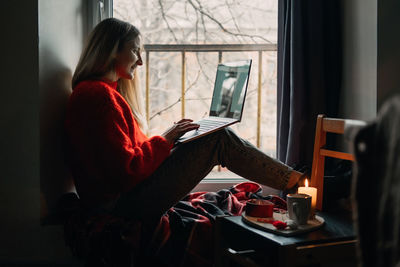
[(309, 73)]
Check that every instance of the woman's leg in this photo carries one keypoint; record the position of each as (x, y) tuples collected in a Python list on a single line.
[(189, 163)]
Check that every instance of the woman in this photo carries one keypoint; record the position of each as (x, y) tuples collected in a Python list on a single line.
[(115, 166)]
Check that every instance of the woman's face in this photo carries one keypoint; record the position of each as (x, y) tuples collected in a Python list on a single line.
[(128, 59)]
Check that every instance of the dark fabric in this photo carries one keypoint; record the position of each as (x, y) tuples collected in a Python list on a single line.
[(99, 238), (186, 230), (183, 237), (309, 73), (189, 163), (377, 188)]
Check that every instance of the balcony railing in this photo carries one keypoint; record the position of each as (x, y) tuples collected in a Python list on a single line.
[(220, 48)]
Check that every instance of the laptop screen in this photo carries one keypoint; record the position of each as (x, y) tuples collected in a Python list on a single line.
[(230, 89)]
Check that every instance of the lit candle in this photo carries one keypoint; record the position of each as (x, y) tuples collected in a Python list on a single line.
[(311, 191)]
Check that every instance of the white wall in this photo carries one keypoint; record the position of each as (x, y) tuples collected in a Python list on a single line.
[(371, 56), (359, 91), (41, 41), (61, 34)]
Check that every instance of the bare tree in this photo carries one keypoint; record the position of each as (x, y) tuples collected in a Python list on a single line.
[(197, 22)]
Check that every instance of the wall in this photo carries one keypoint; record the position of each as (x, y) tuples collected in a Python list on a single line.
[(388, 49), (359, 90), (371, 56), (19, 135), (61, 36), (42, 41)]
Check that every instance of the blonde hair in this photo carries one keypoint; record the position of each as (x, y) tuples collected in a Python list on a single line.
[(98, 58)]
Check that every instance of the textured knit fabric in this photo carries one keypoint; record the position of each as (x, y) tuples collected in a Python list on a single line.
[(377, 186), (108, 152)]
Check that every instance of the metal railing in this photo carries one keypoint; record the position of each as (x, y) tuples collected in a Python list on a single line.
[(220, 48)]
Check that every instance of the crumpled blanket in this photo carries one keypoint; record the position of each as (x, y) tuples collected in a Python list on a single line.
[(184, 236)]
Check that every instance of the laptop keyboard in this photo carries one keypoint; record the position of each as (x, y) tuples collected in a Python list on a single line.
[(208, 125)]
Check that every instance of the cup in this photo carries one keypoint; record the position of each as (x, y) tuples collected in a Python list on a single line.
[(259, 208), (299, 207)]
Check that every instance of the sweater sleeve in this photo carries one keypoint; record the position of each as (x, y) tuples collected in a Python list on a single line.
[(114, 141)]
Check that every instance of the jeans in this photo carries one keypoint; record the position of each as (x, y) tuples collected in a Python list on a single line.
[(189, 163)]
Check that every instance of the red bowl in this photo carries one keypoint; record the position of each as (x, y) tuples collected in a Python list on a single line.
[(259, 208)]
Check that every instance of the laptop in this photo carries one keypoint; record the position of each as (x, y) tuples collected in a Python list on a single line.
[(227, 103)]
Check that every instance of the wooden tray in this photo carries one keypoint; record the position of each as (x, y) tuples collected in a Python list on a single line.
[(312, 225)]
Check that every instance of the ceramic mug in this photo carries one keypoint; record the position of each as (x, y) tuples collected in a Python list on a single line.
[(299, 207)]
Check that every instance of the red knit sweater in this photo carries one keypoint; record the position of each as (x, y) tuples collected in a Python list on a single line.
[(108, 152)]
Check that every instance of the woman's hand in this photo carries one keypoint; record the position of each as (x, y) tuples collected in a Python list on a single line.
[(178, 129)]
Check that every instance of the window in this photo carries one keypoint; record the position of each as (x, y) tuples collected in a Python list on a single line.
[(185, 40), (97, 11)]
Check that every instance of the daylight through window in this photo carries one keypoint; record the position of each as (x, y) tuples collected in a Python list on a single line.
[(202, 24)]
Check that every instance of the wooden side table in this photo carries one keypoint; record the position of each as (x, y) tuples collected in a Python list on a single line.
[(238, 244)]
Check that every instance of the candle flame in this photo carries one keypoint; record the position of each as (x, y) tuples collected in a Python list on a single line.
[(306, 182)]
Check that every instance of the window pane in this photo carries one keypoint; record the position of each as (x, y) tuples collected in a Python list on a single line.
[(201, 22), (165, 77), (206, 22)]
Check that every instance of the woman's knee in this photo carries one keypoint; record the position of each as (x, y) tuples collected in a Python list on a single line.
[(227, 131), (218, 137)]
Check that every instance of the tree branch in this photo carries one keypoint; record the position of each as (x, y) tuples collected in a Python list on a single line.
[(177, 101), (166, 21), (199, 9)]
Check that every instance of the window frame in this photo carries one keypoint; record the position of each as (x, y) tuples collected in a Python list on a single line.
[(208, 183), (97, 11)]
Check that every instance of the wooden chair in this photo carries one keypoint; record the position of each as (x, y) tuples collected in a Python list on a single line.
[(328, 125), (333, 245)]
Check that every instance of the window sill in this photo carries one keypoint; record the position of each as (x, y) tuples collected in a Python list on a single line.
[(216, 181)]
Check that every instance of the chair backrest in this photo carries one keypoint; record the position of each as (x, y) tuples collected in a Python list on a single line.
[(328, 125)]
